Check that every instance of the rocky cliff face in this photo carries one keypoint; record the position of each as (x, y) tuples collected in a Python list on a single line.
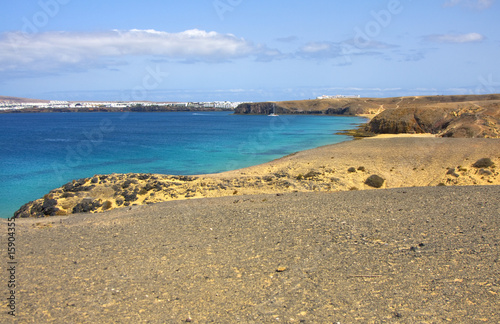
[(259, 108), (410, 120), (463, 120)]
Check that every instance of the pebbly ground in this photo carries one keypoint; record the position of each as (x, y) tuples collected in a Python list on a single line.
[(405, 255)]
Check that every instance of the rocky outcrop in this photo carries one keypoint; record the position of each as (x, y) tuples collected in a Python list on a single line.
[(464, 120), (410, 120), (259, 108)]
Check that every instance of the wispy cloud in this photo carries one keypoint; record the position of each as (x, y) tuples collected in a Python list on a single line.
[(455, 38), (52, 50), (476, 4), (328, 50)]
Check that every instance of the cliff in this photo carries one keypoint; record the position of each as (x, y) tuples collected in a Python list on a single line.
[(445, 116), (467, 119)]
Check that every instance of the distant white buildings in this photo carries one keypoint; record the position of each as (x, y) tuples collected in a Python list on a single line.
[(339, 97), (9, 105)]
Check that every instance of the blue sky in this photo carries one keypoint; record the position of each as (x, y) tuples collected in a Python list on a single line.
[(244, 50)]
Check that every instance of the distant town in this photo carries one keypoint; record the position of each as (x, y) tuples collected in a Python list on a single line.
[(13, 105)]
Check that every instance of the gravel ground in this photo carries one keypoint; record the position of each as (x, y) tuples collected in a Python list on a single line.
[(406, 255)]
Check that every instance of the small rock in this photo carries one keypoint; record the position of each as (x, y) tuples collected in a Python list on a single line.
[(485, 172), (483, 163), (351, 170), (375, 181), (281, 269)]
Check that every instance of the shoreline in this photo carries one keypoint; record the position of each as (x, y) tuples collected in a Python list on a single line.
[(394, 161)]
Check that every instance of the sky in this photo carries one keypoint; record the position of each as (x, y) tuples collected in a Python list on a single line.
[(247, 50)]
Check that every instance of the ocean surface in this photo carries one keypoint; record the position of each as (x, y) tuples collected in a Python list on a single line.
[(41, 152)]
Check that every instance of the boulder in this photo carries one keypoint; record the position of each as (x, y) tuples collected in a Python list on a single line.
[(375, 181), (483, 163)]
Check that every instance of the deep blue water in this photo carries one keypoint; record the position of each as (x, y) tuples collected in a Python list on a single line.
[(40, 152)]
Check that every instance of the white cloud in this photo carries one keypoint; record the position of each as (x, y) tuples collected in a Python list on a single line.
[(456, 38), (52, 50), (476, 4)]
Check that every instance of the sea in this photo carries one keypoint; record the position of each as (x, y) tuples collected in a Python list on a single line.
[(43, 151)]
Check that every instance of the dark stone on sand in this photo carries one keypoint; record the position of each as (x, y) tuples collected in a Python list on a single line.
[(312, 174), (87, 205), (452, 172), (130, 196), (375, 181), (483, 163), (485, 172), (351, 170)]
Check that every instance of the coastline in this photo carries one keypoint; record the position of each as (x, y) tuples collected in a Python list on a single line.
[(395, 161), (420, 141)]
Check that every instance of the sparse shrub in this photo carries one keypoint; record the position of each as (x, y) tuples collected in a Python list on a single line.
[(312, 174), (107, 205), (67, 195)]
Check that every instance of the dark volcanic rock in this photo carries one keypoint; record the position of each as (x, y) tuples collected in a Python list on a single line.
[(483, 163), (375, 181), (87, 205), (38, 209), (259, 108)]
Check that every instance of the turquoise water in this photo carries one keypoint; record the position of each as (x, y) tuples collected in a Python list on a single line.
[(40, 152)]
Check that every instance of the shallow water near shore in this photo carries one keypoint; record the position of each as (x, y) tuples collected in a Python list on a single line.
[(41, 152)]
